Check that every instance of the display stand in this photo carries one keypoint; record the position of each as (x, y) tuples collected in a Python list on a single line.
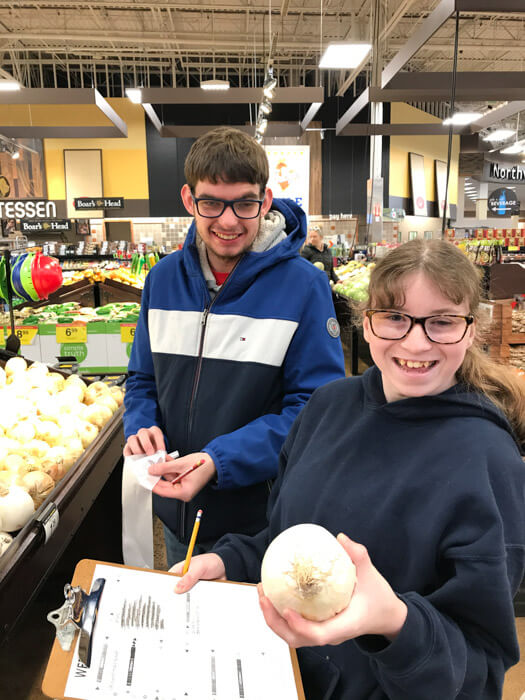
[(58, 668)]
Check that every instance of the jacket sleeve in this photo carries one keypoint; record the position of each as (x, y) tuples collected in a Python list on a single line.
[(243, 554), (249, 455), (460, 639), (140, 400), (333, 276)]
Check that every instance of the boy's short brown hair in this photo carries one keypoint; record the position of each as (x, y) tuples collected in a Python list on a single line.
[(229, 155)]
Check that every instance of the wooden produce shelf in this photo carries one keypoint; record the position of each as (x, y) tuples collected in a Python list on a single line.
[(501, 336), (113, 291)]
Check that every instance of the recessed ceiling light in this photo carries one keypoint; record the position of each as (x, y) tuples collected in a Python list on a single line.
[(513, 148), (134, 95), (6, 85), (499, 135), (347, 55), (215, 84), (462, 118)]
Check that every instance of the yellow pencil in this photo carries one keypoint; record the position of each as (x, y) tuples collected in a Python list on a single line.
[(192, 542)]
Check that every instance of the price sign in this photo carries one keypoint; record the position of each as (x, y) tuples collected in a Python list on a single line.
[(127, 332), (68, 333), (2, 339), (26, 334)]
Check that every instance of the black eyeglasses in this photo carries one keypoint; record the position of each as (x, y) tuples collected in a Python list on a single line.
[(242, 208), (446, 329)]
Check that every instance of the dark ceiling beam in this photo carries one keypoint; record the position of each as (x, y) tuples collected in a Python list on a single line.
[(470, 85), (400, 130), (498, 7), (289, 95), (196, 130)]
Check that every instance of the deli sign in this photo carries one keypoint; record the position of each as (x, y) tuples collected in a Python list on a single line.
[(27, 209), (87, 203), (45, 226)]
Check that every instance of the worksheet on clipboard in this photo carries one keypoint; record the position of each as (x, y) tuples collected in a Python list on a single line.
[(150, 643)]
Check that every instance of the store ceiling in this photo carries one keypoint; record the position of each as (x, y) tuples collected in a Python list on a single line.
[(111, 45)]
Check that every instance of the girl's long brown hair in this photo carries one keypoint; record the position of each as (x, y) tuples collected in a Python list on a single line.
[(459, 280)]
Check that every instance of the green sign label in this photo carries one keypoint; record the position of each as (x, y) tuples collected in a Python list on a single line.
[(128, 349), (78, 350)]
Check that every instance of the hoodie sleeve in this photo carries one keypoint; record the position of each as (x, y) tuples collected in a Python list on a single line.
[(249, 455), (140, 399), (460, 639)]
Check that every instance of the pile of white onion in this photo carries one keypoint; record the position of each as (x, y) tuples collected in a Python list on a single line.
[(306, 569), (46, 422)]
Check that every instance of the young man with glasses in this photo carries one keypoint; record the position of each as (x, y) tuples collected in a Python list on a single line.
[(235, 333)]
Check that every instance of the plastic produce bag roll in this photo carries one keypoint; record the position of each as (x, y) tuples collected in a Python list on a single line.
[(137, 515)]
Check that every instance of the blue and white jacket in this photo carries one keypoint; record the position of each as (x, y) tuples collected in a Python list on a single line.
[(229, 375)]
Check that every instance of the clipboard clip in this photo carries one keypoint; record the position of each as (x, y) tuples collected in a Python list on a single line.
[(79, 612)]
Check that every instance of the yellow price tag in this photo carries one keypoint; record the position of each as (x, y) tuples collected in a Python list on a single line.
[(513, 248), (67, 333), (26, 334), (2, 338), (127, 332)]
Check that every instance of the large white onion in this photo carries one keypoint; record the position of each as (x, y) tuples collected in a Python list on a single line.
[(16, 507), (307, 570)]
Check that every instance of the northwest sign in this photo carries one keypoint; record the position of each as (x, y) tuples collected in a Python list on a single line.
[(507, 173), (46, 226), (503, 202), (98, 202)]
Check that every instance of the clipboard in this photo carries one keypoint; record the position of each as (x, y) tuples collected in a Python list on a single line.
[(59, 663)]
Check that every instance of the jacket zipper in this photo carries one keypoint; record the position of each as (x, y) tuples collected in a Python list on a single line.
[(204, 320)]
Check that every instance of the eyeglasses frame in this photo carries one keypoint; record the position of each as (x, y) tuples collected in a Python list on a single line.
[(469, 319), (226, 203)]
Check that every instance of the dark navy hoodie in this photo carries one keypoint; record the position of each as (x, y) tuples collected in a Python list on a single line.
[(434, 487)]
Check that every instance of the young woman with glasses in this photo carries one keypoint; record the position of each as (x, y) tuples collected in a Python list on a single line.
[(419, 462)]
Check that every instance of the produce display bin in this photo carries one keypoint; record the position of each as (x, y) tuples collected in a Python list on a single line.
[(37, 547), (91, 353), (119, 339)]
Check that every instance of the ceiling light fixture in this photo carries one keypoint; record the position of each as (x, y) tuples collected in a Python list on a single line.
[(462, 118), (513, 148), (499, 135), (15, 154), (7, 85), (346, 55), (215, 84), (266, 107), (262, 125), (269, 87), (134, 95)]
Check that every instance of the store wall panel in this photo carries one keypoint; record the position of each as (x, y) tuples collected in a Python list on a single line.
[(124, 161), (431, 147), (83, 175)]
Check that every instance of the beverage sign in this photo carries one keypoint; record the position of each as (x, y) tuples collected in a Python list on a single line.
[(503, 202), (33, 226), (99, 203)]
